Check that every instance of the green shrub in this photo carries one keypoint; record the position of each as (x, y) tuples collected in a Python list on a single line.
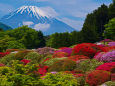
[(59, 79), (4, 70), (34, 57), (88, 65), (63, 65), (53, 60), (8, 58)]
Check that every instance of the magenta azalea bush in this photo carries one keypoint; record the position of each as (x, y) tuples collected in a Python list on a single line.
[(66, 50)]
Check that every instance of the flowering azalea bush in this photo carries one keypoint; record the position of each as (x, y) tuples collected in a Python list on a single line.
[(78, 57), (60, 54), (106, 56), (25, 61), (45, 50), (66, 50), (106, 66), (97, 77), (2, 54), (87, 49), (111, 44), (42, 69), (2, 64)]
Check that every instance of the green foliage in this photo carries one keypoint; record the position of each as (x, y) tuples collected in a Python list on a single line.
[(88, 65), (19, 75), (110, 30), (76, 37), (59, 79), (63, 65), (8, 58), (27, 36), (58, 40), (4, 42), (15, 45)]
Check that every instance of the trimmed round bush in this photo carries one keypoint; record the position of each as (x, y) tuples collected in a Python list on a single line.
[(8, 58), (88, 65), (21, 54), (59, 79), (34, 57), (62, 65), (87, 49), (97, 77), (108, 83), (53, 60)]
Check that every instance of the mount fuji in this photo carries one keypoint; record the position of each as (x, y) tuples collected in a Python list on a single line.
[(35, 18)]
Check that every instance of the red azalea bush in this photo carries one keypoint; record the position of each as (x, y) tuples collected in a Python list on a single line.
[(97, 77), (2, 64), (2, 54), (109, 48), (42, 70), (87, 49), (60, 54), (78, 57), (106, 66), (25, 61)]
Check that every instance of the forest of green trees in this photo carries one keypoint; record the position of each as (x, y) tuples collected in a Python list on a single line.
[(98, 25)]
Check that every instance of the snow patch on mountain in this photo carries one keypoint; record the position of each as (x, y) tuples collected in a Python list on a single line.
[(42, 27)]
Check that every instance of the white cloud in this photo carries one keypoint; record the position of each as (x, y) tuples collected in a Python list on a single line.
[(73, 23), (42, 27), (49, 11), (29, 23)]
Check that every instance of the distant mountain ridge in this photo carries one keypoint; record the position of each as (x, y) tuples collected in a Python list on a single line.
[(36, 18), (4, 26)]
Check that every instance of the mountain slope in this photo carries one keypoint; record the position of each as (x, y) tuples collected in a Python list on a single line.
[(4, 27), (36, 18)]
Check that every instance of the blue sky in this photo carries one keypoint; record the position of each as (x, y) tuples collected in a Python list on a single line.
[(72, 12)]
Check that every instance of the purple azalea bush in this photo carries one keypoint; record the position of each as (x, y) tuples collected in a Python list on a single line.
[(106, 57), (111, 44)]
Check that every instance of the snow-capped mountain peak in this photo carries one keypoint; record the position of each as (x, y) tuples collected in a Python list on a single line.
[(38, 18), (34, 9), (31, 10)]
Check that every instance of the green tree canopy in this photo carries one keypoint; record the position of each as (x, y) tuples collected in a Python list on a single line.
[(109, 32), (27, 36)]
